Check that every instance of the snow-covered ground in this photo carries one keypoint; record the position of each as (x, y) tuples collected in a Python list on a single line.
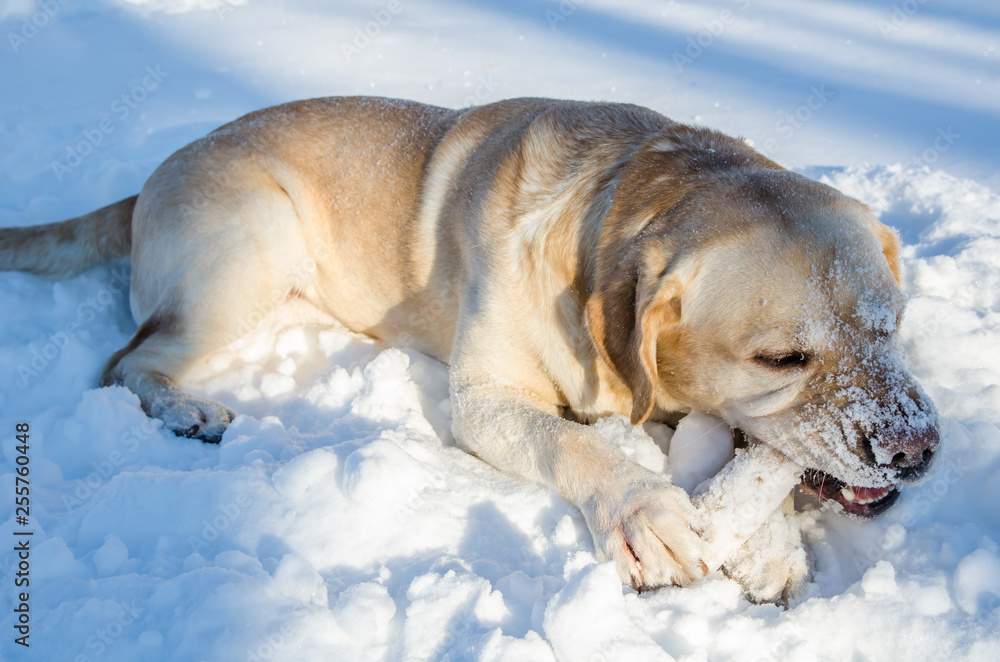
[(337, 521)]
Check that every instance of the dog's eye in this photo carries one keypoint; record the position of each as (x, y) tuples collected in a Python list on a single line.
[(789, 360)]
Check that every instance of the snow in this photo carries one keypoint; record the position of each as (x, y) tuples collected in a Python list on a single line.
[(700, 447), (337, 520)]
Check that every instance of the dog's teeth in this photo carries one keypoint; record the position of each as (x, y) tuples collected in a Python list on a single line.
[(847, 493)]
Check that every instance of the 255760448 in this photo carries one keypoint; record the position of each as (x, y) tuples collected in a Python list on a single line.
[(22, 536)]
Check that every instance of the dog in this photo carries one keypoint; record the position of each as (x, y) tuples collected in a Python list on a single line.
[(567, 260)]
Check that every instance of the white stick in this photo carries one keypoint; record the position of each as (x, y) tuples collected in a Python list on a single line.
[(738, 500)]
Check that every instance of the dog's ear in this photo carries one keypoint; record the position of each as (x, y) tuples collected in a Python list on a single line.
[(627, 313), (890, 247)]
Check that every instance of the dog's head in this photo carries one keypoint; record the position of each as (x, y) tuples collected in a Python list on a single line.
[(773, 302)]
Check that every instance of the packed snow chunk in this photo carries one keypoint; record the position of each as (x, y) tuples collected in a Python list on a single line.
[(389, 397), (588, 619), (519, 587), (111, 556), (293, 341), (52, 559), (335, 393), (294, 479), (565, 533), (660, 433), (386, 474), (346, 347), (933, 600), (700, 447), (297, 579), (241, 562), (365, 612), (894, 536), (107, 431), (169, 513), (247, 440), (274, 384), (465, 605), (977, 582), (633, 440), (240, 431), (287, 367), (101, 624), (879, 580), (305, 635), (500, 647)]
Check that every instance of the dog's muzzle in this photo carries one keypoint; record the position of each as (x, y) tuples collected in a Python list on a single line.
[(909, 463)]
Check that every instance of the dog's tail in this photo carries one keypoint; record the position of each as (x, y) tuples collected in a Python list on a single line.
[(60, 250)]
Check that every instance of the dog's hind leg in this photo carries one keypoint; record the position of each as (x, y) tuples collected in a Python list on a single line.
[(201, 278), (159, 351)]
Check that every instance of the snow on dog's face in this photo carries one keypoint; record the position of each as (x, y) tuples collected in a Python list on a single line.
[(785, 325), (822, 379)]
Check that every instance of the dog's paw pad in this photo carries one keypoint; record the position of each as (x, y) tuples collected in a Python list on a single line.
[(198, 419)]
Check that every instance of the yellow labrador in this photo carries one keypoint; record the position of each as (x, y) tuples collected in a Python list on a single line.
[(567, 260)]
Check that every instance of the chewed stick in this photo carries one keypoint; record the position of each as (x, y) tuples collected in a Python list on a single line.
[(739, 499)]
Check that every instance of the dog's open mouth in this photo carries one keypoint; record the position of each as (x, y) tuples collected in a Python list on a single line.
[(860, 501)]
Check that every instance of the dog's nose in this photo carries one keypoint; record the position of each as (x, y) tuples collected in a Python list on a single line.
[(910, 468), (914, 454)]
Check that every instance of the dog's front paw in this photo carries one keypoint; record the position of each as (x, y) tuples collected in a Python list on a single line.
[(771, 565), (646, 529)]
